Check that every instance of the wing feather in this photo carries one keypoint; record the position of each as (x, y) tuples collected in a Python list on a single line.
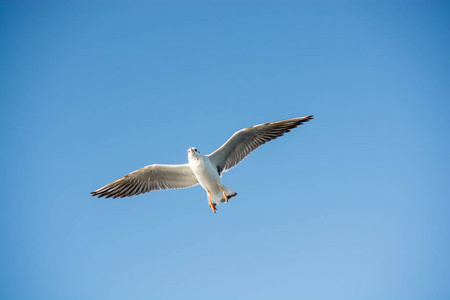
[(149, 178), (243, 142)]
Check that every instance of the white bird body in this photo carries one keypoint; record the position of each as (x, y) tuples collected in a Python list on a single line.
[(205, 170), (208, 177)]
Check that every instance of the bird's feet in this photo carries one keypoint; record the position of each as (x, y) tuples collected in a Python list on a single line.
[(212, 205), (224, 195)]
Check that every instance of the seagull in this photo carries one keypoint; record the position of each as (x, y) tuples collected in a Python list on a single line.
[(205, 170)]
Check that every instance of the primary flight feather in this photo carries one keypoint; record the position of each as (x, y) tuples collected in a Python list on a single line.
[(205, 170)]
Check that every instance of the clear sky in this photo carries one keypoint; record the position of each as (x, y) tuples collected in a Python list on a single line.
[(352, 205)]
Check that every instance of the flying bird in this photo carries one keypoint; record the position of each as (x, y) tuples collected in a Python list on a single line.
[(205, 170)]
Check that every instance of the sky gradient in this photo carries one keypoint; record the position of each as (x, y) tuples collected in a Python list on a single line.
[(352, 205)]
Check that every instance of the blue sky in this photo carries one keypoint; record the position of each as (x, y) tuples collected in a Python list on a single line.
[(352, 205)]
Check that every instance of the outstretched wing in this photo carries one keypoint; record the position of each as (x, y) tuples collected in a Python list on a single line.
[(149, 178), (246, 140)]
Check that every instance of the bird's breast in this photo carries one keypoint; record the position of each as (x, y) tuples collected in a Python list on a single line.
[(205, 172)]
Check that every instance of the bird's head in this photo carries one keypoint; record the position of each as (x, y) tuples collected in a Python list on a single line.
[(193, 151)]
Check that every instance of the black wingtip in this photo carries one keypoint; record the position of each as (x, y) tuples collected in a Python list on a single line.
[(304, 119), (307, 118), (96, 194)]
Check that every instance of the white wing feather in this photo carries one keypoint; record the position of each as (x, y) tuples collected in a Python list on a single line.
[(243, 142), (149, 178)]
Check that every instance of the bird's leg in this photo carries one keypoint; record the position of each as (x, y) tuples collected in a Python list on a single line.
[(212, 205), (225, 195)]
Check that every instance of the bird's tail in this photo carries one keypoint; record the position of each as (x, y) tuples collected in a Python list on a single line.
[(218, 196)]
